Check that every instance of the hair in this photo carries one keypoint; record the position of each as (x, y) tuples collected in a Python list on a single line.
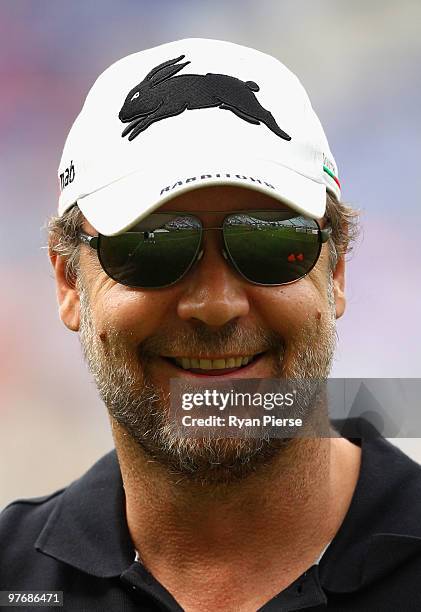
[(63, 234)]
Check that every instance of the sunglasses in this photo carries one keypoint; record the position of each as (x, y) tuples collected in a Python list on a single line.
[(266, 247)]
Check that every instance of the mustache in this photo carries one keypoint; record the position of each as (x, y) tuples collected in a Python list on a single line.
[(233, 338)]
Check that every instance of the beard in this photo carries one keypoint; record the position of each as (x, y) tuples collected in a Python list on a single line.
[(141, 408)]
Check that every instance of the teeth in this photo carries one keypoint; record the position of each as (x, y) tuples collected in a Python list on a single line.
[(218, 364), (213, 364), (205, 364)]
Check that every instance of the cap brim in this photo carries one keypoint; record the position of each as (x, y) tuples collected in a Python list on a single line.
[(118, 206)]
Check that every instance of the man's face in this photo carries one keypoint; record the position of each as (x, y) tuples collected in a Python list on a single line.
[(130, 337)]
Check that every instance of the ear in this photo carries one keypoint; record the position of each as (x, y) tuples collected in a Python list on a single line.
[(67, 294), (338, 277), (170, 62), (165, 73)]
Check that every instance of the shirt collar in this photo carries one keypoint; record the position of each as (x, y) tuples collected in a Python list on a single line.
[(88, 529)]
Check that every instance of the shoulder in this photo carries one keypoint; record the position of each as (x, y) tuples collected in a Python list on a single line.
[(20, 525), (44, 540), (377, 550), (390, 483)]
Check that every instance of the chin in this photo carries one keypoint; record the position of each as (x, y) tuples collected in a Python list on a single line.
[(210, 461)]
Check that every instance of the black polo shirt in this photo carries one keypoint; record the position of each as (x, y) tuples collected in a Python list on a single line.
[(76, 541)]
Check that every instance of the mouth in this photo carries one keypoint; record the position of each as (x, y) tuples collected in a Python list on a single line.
[(217, 366)]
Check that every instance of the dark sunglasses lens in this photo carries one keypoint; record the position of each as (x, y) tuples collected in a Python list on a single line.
[(155, 257), (272, 251)]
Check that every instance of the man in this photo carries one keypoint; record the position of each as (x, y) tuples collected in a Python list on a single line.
[(201, 237)]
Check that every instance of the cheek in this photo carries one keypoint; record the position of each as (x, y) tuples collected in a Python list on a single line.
[(288, 309), (121, 310), (132, 313)]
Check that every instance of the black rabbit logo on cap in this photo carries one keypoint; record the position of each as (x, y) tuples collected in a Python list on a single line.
[(159, 96)]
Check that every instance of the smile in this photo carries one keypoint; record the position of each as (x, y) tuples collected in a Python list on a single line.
[(215, 366)]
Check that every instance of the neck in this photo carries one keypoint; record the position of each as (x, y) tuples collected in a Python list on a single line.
[(286, 512)]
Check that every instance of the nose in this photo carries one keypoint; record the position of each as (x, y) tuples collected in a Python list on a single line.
[(214, 292)]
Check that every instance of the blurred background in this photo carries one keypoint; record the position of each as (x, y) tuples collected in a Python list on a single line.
[(360, 63)]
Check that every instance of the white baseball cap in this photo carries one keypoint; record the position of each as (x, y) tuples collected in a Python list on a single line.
[(190, 114)]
